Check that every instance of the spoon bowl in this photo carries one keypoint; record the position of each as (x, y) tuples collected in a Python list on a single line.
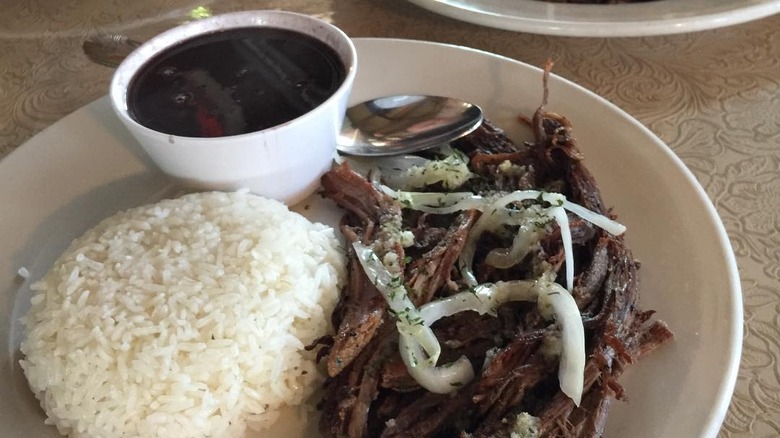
[(395, 125), (390, 125)]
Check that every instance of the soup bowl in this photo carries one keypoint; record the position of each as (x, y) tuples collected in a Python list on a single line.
[(278, 146)]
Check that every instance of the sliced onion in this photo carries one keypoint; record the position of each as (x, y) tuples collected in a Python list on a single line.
[(526, 237), (612, 227), (489, 220), (466, 257), (515, 290), (451, 171), (513, 216), (571, 368), (394, 164), (559, 202), (563, 223), (416, 338), (443, 307), (392, 289), (420, 349), (485, 299), (395, 169), (401, 162), (525, 195), (391, 169), (418, 200), (437, 203), (439, 379), (412, 172)]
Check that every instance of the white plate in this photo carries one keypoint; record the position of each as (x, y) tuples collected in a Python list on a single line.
[(658, 17), (86, 166)]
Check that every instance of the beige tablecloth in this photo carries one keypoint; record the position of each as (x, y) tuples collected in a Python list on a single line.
[(713, 96)]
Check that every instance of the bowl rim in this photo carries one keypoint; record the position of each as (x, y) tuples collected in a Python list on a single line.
[(307, 24)]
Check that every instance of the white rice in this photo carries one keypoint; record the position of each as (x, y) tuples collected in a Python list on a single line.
[(185, 318)]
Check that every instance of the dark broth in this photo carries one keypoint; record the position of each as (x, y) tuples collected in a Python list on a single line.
[(233, 82)]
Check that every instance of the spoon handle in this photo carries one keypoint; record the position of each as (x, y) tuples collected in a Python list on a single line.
[(108, 49)]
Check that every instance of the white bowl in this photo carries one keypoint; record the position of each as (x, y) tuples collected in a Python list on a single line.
[(283, 162)]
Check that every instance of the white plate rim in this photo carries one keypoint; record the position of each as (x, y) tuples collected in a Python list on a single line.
[(660, 17), (31, 151)]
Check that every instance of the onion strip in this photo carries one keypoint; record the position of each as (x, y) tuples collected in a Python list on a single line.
[(610, 226), (427, 200), (412, 171), (451, 202), (408, 318), (571, 368), (484, 299), (527, 236), (487, 298), (418, 345), (440, 380), (417, 341), (568, 252), (435, 202)]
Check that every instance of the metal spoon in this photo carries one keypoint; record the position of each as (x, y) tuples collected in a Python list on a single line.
[(397, 125), (108, 49), (390, 125)]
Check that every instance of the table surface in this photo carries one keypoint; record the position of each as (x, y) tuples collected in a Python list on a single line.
[(713, 96)]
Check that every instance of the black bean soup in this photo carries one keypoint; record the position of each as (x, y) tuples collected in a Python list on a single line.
[(234, 82)]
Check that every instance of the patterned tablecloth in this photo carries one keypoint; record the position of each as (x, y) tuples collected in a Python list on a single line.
[(713, 96)]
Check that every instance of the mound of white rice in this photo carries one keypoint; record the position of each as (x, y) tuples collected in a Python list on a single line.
[(186, 318)]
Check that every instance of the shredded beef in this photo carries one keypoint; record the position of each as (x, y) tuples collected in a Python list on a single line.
[(370, 393)]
